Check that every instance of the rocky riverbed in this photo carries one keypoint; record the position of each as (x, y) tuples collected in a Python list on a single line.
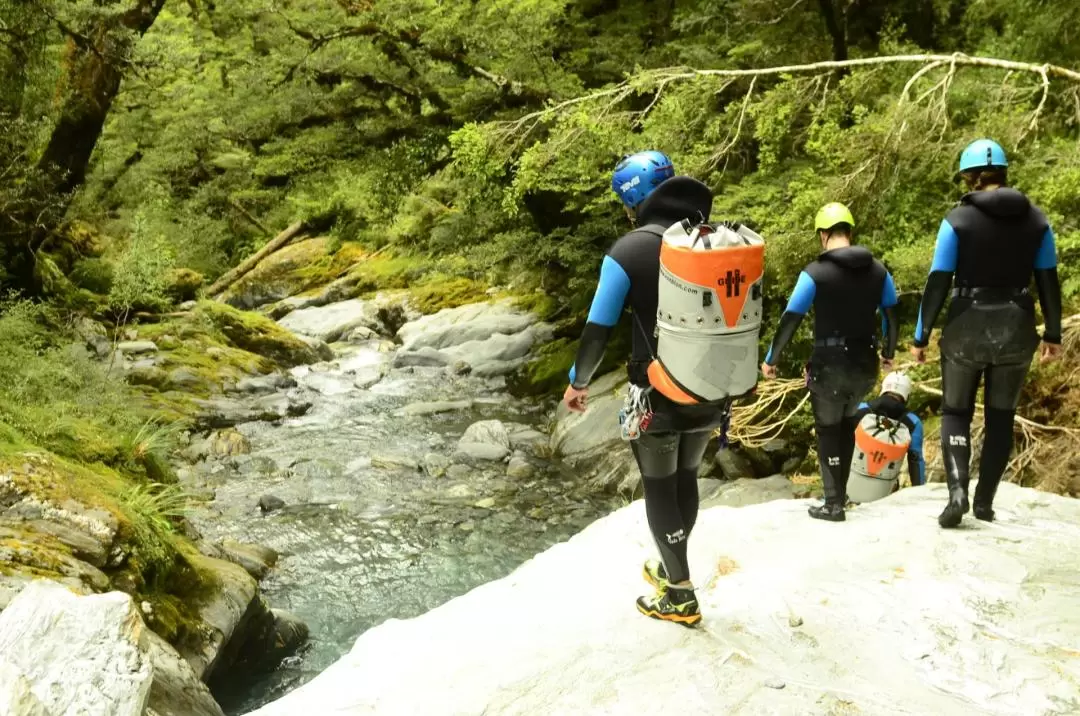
[(391, 478)]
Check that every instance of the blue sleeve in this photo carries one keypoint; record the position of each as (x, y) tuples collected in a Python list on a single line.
[(802, 298), (945, 249), (915, 450), (610, 297), (864, 405), (1047, 256), (888, 292)]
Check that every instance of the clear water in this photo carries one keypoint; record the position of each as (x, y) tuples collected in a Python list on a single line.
[(366, 536)]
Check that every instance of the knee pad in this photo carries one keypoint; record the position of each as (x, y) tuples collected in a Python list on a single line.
[(964, 413)]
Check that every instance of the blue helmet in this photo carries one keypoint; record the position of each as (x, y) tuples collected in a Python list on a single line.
[(638, 174), (983, 154)]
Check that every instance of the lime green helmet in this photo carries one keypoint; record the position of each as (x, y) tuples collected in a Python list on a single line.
[(832, 214)]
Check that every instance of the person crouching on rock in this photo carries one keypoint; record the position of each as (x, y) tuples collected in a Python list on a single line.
[(668, 440), (995, 242), (886, 433), (846, 286)]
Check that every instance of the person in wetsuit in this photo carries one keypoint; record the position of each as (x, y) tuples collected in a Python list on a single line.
[(669, 449), (846, 286), (994, 242), (892, 403)]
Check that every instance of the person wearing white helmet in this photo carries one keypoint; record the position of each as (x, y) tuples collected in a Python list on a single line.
[(892, 404)]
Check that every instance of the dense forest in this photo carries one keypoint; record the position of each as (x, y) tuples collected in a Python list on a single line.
[(150, 145)]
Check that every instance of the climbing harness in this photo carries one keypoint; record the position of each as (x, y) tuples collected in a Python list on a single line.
[(636, 413)]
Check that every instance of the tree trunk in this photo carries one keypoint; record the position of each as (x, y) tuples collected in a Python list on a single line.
[(95, 61), (93, 66), (836, 30)]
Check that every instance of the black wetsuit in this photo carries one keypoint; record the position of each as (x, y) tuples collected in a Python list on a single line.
[(670, 449), (994, 242), (846, 287)]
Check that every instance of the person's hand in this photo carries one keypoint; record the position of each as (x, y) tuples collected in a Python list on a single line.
[(769, 371), (886, 363), (576, 399), (1049, 352), (918, 353)]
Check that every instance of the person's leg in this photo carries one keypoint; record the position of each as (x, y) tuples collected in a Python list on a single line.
[(1003, 386), (657, 457), (847, 449), (959, 384), (829, 425), (691, 451)]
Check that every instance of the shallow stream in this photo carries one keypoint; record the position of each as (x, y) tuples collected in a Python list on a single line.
[(367, 534)]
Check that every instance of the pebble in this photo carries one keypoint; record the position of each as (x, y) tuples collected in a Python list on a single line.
[(485, 504), (775, 684)]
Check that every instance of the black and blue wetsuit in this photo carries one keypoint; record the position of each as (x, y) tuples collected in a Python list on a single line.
[(993, 243), (846, 287), (670, 450), (896, 409)]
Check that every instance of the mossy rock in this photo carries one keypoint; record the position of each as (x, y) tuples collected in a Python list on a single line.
[(184, 284), (439, 292), (94, 274), (258, 334), (297, 268), (148, 560)]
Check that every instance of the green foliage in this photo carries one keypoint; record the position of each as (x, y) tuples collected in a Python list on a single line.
[(142, 269), (54, 395)]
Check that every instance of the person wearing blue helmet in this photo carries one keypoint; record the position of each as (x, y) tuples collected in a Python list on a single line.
[(989, 248), (670, 445)]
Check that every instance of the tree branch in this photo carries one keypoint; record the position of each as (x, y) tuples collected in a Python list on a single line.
[(676, 74)]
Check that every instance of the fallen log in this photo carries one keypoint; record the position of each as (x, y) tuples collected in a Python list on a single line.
[(245, 267)]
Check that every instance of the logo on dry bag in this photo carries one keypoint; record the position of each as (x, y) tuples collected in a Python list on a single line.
[(732, 281), (877, 451)]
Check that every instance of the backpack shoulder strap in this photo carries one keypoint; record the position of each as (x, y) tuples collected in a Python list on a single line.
[(654, 229)]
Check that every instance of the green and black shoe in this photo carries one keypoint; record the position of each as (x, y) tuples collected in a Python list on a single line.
[(672, 605), (655, 574)]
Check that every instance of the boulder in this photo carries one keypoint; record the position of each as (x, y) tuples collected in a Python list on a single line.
[(911, 620), (519, 468), (265, 384), (230, 442), (591, 442), (66, 654), (484, 440), (329, 323), (176, 690), (256, 560), (456, 326), (745, 491), (732, 464)]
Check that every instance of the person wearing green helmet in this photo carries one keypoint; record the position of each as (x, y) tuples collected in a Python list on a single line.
[(846, 286), (992, 246)]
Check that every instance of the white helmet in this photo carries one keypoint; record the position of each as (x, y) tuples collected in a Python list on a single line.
[(897, 382)]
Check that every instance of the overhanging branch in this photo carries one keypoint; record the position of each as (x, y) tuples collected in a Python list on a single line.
[(664, 76)]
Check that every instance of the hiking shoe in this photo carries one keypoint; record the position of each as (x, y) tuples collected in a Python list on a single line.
[(954, 512), (983, 512), (827, 511), (672, 605), (655, 574)]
